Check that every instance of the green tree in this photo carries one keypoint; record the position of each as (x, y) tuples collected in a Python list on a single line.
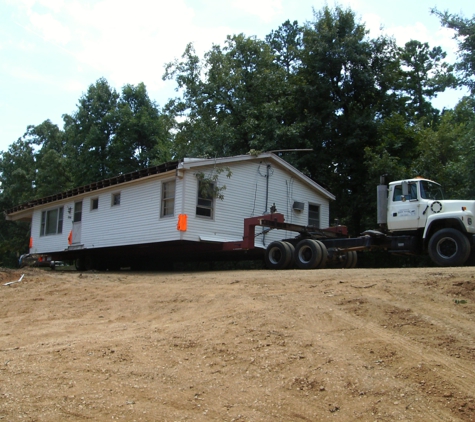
[(342, 95), (17, 177), (52, 165), (233, 101), (465, 35), (90, 131), (423, 75), (142, 136)]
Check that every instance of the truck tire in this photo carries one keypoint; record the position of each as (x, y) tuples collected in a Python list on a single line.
[(292, 252), (323, 262), (350, 259), (449, 248), (309, 255), (278, 255)]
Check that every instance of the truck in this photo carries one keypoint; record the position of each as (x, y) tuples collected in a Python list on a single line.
[(413, 218)]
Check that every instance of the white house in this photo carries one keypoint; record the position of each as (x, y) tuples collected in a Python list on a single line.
[(166, 212)]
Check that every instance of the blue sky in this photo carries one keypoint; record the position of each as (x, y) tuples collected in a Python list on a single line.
[(52, 50)]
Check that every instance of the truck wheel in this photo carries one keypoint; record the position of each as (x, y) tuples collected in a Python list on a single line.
[(449, 248), (292, 252), (350, 259), (323, 262), (278, 255), (309, 254)]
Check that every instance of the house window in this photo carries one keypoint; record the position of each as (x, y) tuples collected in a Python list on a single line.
[(314, 215), (115, 199), (52, 222), (168, 198), (94, 203), (204, 206)]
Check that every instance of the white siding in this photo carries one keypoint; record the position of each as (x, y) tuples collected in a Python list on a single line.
[(245, 196), (137, 219)]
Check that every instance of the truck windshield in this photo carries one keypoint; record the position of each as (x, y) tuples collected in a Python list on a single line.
[(431, 190)]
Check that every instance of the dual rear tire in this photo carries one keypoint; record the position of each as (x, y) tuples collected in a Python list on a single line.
[(307, 254)]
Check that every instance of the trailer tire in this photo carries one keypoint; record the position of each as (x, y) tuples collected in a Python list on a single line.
[(323, 262), (292, 252), (278, 255), (350, 260), (309, 254), (449, 248)]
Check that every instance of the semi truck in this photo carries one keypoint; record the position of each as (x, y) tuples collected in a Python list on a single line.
[(413, 218)]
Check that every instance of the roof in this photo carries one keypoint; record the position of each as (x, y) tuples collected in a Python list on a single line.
[(186, 163), (116, 180)]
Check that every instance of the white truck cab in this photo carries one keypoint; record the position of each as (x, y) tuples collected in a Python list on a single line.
[(417, 207)]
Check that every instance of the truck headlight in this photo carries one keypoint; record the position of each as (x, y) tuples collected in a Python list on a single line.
[(469, 221)]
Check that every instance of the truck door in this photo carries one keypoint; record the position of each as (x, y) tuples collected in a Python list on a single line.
[(404, 210), (77, 223)]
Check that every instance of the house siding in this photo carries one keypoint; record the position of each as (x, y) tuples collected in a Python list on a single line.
[(245, 196), (137, 219)]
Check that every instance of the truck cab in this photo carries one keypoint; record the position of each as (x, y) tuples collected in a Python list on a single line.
[(416, 207)]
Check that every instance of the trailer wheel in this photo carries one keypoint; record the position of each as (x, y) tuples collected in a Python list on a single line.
[(350, 259), (278, 255), (292, 252), (309, 254), (449, 248), (323, 262)]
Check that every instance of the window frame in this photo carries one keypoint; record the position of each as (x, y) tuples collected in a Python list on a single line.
[(115, 195), (210, 198), (164, 201), (310, 211), (46, 224), (94, 200)]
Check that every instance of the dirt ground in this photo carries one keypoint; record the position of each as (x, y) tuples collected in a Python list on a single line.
[(346, 345)]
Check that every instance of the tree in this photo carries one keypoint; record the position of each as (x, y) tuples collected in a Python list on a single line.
[(423, 76), (233, 101), (341, 96), (142, 137), (17, 177), (465, 35), (90, 131)]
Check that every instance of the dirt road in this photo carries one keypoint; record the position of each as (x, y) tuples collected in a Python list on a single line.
[(346, 345)]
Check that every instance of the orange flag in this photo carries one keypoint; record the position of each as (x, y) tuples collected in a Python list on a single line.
[(182, 223)]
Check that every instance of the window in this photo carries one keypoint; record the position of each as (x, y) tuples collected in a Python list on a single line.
[(168, 198), (412, 188), (52, 222), (94, 203), (314, 215), (115, 199), (205, 201), (77, 212)]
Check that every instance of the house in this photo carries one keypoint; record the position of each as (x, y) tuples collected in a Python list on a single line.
[(175, 211)]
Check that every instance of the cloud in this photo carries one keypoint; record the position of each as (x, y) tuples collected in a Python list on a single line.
[(265, 10)]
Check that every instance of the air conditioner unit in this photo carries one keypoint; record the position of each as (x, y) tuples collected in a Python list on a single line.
[(298, 206)]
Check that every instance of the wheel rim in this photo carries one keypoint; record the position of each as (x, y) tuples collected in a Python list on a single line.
[(275, 255), (447, 247), (305, 254)]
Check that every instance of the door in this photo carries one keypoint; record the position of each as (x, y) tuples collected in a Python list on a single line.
[(404, 209), (77, 223)]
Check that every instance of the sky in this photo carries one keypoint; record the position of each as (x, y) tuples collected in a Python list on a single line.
[(51, 51)]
